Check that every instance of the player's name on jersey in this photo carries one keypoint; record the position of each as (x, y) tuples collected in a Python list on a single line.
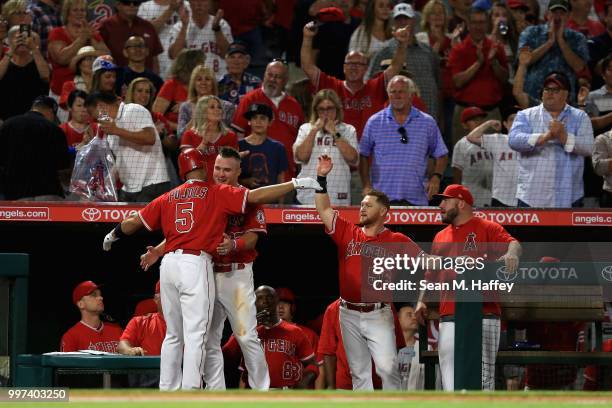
[(455, 285)]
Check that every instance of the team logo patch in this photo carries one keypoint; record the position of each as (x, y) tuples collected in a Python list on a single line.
[(470, 242), (260, 216)]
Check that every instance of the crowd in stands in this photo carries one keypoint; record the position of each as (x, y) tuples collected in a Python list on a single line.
[(516, 94)]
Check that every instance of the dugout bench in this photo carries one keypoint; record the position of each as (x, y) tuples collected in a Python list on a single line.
[(43, 370), (563, 304)]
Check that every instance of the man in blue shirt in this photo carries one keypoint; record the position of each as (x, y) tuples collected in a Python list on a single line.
[(237, 82), (553, 139), (400, 139), (554, 48)]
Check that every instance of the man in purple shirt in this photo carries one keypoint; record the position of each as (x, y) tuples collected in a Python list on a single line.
[(400, 139)]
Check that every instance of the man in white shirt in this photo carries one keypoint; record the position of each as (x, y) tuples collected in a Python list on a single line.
[(163, 14), (137, 147), (505, 160), (472, 165), (211, 34)]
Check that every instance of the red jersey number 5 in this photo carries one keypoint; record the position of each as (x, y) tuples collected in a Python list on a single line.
[(184, 217)]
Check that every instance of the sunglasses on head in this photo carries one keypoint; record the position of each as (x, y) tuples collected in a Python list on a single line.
[(281, 60), (404, 138)]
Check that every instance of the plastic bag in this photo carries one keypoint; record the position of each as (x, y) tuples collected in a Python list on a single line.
[(93, 176)]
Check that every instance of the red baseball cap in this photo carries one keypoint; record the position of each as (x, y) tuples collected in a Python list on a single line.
[(559, 79), (330, 14), (517, 4), (472, 112), (157, 289), (83, 289), (546, 259), (457, 191), (286, 295)]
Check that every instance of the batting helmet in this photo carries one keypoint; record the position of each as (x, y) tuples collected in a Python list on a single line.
[(190, 159)]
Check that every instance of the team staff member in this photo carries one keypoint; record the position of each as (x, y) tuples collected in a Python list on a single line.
[(144, 335), (90, 333), (367, 328), (192, 217), (235, 294), (467, 235)]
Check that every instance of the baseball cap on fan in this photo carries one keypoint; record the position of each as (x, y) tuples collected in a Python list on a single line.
[(472, 112), (559, 79), (285, 295), (403, 9), (83, 289), (457, 191), (104, 63), (559, 4), (237, 47)]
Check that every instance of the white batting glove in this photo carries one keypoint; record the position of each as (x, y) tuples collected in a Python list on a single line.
[(108, 240), (306, 183)]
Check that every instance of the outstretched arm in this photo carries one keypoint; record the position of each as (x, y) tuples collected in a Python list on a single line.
[(127, 227), (326, 212), (269, 194)]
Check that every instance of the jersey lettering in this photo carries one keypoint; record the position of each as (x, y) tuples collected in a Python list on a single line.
[(184, 217)]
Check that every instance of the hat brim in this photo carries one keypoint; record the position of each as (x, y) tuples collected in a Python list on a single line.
[(442, 196), (480, 115), (249, 115), (559, 6), (403, 14), (77, 58), (554, 81)]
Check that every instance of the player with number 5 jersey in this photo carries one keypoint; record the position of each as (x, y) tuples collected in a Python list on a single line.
[(193, 217)]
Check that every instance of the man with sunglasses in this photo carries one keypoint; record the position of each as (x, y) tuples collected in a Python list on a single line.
[(136, 52), (400, 139), (117, 29), (553, 139)]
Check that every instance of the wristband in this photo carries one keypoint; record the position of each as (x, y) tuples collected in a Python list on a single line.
[(322, 180), (238, 244), (437, 174), (118, 233)]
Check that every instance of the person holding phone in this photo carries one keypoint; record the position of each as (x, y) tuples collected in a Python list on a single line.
[(24, 73)]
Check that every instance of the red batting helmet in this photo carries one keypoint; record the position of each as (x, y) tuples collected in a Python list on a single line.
[(190, 159)]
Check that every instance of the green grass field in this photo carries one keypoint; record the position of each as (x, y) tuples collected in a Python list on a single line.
[(323, 399)]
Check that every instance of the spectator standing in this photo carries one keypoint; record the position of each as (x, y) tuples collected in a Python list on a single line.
[(374, 32), (237, 82), (480, 71), (163, 14), (287, 113), (133, 138), (116, 30), (136, 52), (519, 10), (579, 19), (82, 67), (505, 160), (209, 134), (422, 63), (202, 83), (201, 30), (15, 12), (328, 134), (24, 74), (503, 31), (400, 139), (90, 333), (174, 90), (472, 165), (21, 180), (598, 103), (554, 48), (460, 13), (79, 129), (266, 161), (104, 75), (602, 164), (46, 15), (553, 138), (66, 41)]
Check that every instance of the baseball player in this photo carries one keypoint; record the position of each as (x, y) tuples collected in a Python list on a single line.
[(288, 352), (192, 217), (286, 311), (235, 294), (367, 328), (467, 235), (90, 333)]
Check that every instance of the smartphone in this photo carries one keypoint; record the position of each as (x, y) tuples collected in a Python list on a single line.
[(25, 28)]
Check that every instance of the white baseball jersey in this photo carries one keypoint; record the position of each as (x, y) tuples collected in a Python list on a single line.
[(505, 167), (477, 167), (339, 179), (204, 39)]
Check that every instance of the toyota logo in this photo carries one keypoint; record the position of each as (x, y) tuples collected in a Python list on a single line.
[(91, 214), (503, 275), (606, 273)]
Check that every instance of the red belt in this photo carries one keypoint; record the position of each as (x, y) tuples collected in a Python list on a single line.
[(363, 308), (228, 267), (196, 252)]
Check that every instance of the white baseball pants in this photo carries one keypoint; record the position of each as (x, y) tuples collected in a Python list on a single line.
[(187, 296), (370, 336), (446, 353), (235, 299)]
